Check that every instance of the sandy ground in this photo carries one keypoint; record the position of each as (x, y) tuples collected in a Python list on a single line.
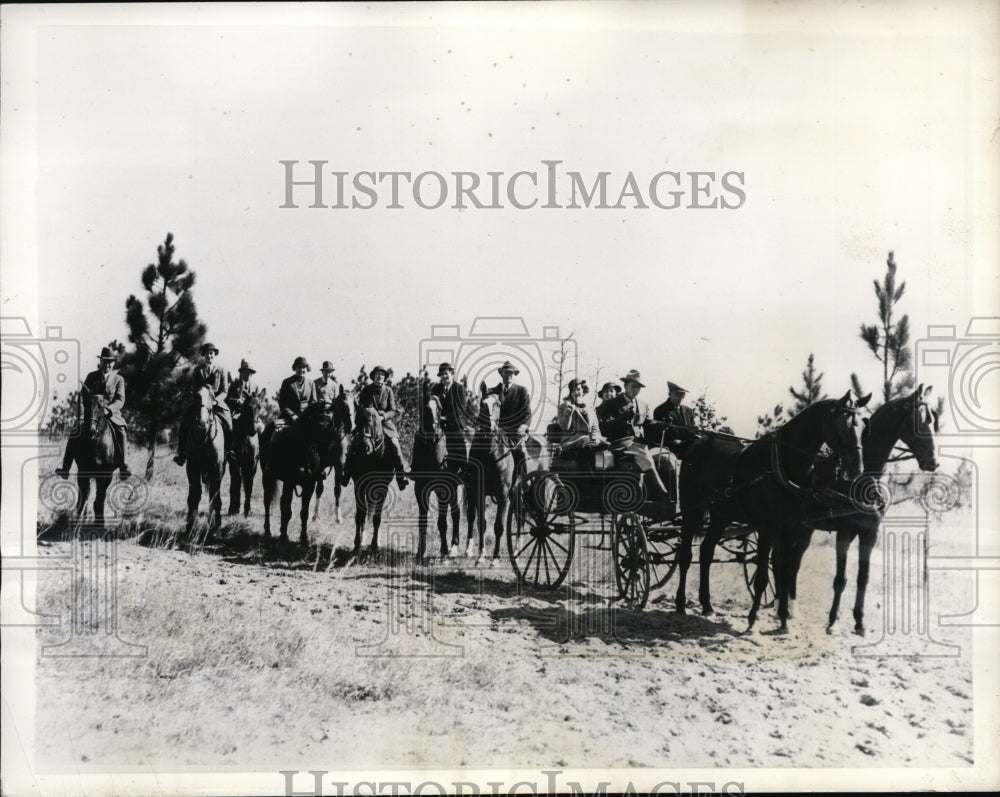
[(253, 662)]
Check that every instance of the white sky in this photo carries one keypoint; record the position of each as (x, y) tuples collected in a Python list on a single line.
[(852, 142)]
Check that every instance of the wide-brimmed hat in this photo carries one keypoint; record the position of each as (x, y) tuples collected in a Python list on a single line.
[(245, 366), (301, 362), (611, 386), (674, 386), (107, 354), (632, 376), (207, 347), (376, 370), (327, 366), (508, 366), (574, 383), (445, 367)]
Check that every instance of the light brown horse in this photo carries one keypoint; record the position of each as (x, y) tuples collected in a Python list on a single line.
[(246, 445), (206, 460)]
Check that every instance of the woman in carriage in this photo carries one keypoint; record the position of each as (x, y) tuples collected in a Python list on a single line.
[(578, 421)]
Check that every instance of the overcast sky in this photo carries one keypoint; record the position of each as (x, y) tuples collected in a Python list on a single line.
[(855, 132)]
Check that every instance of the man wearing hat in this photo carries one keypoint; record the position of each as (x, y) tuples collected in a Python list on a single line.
[(240, 389), (379, 396), (515, 412), (327, 386), (207, 374), (110, 384), (626, 418), (680, 426), (454, 414), (296, 393)]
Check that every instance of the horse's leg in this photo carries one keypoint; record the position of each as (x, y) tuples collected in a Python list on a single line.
[(456, 518), (83, 494), (706, 555), (761, 576), (866, 544), (269, 483), (248, 469), (800, 544), (319, 496), (307, 492), (783, 553), (420, 490), (287, 493), (194, 496), (447, 502), (235, 477), (689, 526), (338, 518), (101, 484), (360, 510), (502, 505), (380, 497), (844, 539), (215, 498)]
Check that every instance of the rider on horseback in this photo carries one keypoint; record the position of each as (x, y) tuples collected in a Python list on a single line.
[(626, 418), (327, 386), (240, 390), (103, 382), (454, 414), (207, 375), (379, 396), (296, 394), (515, 413)]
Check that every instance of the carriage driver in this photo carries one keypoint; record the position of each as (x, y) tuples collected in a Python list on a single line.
[(208, 374), (379, 396), (110, 384), (296, 393), (626, 417), (454, 411), (240, 389), (678, 430), (515, 413)]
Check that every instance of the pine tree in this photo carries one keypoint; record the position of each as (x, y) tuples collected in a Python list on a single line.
[(707, 417), (811, 390), (889, 340), (165, 333)]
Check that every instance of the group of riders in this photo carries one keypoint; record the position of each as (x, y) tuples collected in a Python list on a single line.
[(652, 442)]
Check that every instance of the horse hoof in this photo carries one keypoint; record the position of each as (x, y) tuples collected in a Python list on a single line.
[(859, 630), (680, 608), (453, 553), (495, 561), (707, 611)]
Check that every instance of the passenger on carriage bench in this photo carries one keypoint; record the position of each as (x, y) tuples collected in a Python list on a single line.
[(577, 420), (627, 417), (379, 396), (607, 392)]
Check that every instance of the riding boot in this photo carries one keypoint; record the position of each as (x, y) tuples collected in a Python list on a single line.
[(397, 455), (123, 469), (68, 458)]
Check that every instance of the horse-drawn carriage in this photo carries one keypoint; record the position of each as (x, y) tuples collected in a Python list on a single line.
[(585, 493)]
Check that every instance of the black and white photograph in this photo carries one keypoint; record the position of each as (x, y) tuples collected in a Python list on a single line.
[(500, 398)]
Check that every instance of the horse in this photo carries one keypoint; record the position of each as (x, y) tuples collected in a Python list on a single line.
[(336, 460), (432, 474), (909, 420), (371, 465), (246, 446), (766, 484), (491, 469), (294, 456), (95, 456), (206, 460)]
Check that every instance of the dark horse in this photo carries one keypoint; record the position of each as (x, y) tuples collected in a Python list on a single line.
[(205, 452), (96, 457), (343, 412), (907, 419), (371, 465), (491, 469), (768, 485), (294, 456), (432, 474), (246, 445)]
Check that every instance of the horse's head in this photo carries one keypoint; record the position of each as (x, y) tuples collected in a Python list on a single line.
[(95, 414), (369, 430), (204, 401), (488, 419), (919, 423), (430, 419), (843, 432), (343, 410)]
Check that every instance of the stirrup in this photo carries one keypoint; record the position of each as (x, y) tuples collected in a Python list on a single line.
[(62, 473)]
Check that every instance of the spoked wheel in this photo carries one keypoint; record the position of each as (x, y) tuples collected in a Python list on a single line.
[(663, 546), (631, 555), (748, 556), (539, 541)]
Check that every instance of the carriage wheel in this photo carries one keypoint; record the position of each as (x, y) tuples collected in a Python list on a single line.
[(748, 556), (663, 549), (631, 556), (540, 544)]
